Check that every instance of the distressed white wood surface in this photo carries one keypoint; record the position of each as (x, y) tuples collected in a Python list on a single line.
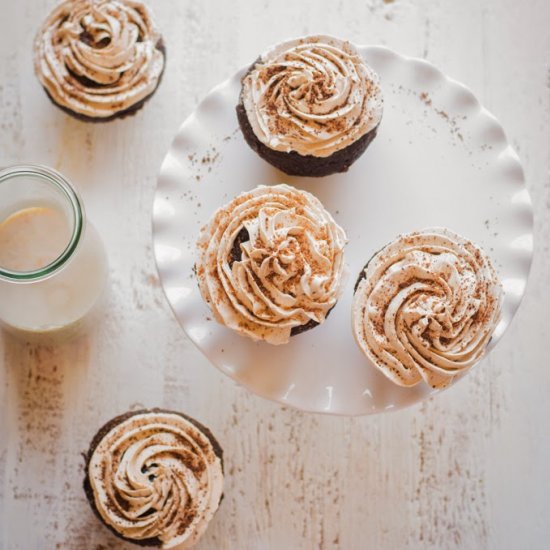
[(468, 469)]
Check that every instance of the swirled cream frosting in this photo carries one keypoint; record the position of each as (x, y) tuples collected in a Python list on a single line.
[(156, 475), (98, 58), (314, 96), (426, 307), (271, 260)]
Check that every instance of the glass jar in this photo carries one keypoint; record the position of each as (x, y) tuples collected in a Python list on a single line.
[(53, 266)]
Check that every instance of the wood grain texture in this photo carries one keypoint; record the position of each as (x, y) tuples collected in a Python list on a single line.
[(468, 469)]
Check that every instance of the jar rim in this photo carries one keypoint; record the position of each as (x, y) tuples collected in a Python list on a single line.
[(56, 179)]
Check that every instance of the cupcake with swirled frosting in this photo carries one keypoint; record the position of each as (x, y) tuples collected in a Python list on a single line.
[(271, 263), (310, 106), (426, 306), (99, 59), (155, 478)]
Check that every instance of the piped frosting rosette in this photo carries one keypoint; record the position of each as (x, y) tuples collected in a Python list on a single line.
[(269, 261), (314, 96), (98, 58), (156, 475), (426, 306)]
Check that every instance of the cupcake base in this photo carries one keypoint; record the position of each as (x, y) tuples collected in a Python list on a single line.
[(293, 163), (294, 331), (103, 431), (120, 114)]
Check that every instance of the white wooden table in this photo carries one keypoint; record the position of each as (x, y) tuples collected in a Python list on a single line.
[(468, 469)]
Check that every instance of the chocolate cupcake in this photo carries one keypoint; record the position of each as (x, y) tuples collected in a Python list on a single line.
[(271, 262), (155, 478), (425, 307), (99, 59), (310, 106)]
